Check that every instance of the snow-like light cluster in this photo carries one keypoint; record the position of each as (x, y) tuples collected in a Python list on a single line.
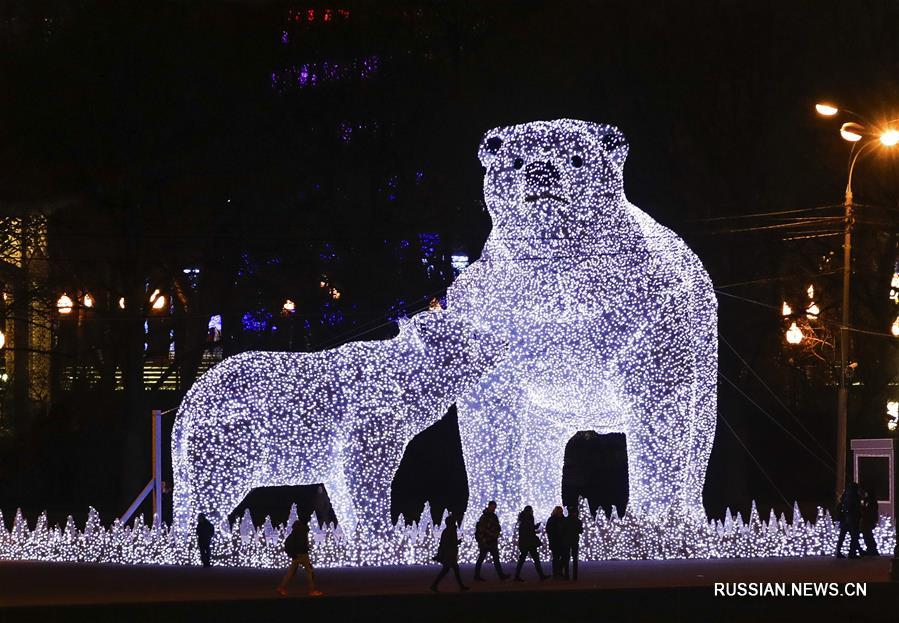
[(581, 314), (341, 417), (610, 318), (632, 537)]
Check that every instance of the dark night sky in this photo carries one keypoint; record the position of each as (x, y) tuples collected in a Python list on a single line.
[(169, 109)]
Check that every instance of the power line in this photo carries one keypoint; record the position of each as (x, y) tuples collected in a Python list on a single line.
[(754, 460), (776, 422), (781, 278), (775, 396)]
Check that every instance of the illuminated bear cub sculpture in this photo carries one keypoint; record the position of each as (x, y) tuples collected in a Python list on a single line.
[(341, 417), (610, 319)]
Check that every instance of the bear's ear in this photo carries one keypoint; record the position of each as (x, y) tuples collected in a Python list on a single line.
[(491, 145), (612, 142)]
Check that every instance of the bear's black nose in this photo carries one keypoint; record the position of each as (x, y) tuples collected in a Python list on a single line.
[(542, 173)]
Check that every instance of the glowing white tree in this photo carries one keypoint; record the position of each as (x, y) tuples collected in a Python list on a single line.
[(610, 318), (341, 417)]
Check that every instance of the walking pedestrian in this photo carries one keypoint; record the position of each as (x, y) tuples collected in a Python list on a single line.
[(297, 547), (486, 533), (205, 532), (848, 511), (448, 554), (868, 518), (555, 532), (573, 529), (528, 543)]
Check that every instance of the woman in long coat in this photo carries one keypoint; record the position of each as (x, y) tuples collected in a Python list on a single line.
[(448, 554), (528, 543)]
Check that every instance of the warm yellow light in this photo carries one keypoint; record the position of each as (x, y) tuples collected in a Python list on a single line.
[(826, 110), (794, 334), (122, 302), (64, 304), (335, 294), (154, 295), (895, 328), (434, 304), (813, 310), (811, 291), (2, 339), (159, 303), (289, 306), (890, 138), (851, 132), (786, 310), (88, 300)]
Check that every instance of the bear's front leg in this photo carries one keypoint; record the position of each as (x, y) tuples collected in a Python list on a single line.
[(542, 459), (490, 430), (663, 426), (371, 458)]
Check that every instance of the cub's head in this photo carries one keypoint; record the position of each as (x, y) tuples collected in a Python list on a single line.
[(552, 173), (444, 354)]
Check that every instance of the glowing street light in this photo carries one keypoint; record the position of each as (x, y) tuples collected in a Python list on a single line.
[(786, 310), (895, 328), (64, 304), (159, 303), (88, 300), (811, 291), (2, 339), (851, 131), (794, 334), (122, 302), (289, 307), (813, 310), (854, 133), (890, 137)]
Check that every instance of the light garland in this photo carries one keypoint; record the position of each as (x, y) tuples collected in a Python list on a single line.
[(341, 417), (610, 318), (632, 537)]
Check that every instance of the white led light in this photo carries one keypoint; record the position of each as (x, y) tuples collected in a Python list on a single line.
[(582, 314), (610, 318), (341, 417), (632, 537)]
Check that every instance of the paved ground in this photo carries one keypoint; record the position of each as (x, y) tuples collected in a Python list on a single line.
[(646, 590)]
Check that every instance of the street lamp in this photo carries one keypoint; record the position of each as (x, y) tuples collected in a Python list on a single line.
[(862, 136)]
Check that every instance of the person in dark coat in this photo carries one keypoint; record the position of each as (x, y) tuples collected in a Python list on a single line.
[(296, 545), (868, 518), (849, 511), (205, 531), (573, 529), (555, 532), (448, 554), (528, 543), (486, 534)]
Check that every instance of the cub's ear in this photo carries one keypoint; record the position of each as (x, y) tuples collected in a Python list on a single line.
[(612, 142), (491, 145)]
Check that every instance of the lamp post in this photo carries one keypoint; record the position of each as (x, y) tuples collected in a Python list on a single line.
[(863, 139)]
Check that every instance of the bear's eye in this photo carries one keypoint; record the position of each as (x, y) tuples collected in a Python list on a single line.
[(494, 143), (577, 161), (518, 163)]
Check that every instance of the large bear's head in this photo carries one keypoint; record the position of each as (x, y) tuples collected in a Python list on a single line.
[(552, 174)]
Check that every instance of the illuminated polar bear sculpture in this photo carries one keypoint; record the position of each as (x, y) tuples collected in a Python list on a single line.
[(610, 320), (341, 417)]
